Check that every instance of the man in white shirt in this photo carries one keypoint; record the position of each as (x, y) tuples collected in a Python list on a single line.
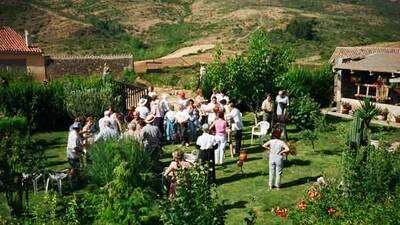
[(282, 101), (237, 125), (74, 147), (182, 117), (206, 144), (106, 133), (103, 120)]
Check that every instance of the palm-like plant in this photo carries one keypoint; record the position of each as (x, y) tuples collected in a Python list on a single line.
[(368, 111)]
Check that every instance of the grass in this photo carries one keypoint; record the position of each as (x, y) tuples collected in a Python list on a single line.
[(242, 192), (173, 77)]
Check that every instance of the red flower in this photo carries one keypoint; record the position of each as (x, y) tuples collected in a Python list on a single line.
[(302, 205), (330, 211), (280, 212), (312, 195)]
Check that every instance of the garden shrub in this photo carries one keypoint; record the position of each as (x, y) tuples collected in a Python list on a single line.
[(196, 201), (107, 155), (303, 110), (18, 155), (10, 125), (367, 193), (53, 105), (302, 81)]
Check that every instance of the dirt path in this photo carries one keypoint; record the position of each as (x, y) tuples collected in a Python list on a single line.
[(195, 49)]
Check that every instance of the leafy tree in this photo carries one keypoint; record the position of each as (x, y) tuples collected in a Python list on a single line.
[(303, 110), (246, 80), (311, 136)]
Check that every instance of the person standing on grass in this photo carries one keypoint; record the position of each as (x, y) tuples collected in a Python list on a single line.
[(277, 151), (221, 128), (267, 108), (158, 112), (171, 171), (74, 147), (182, 117), (152, 138), (282, 101), (206, 144), (142, 108), (237, 127), (107, 132), (193, 121)]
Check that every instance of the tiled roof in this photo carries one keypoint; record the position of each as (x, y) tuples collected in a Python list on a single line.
[(388, 63), (12, 42), (361, 52)]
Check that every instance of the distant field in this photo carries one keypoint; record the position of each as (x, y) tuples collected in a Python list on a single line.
[(153, 28)]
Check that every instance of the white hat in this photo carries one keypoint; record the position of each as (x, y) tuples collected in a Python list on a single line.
[(149, 119), (107, 113), (152, 94), (142, 102)]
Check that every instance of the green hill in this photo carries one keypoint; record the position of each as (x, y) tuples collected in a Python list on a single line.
[(152, 28)]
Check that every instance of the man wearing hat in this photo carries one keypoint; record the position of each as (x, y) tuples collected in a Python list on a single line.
[(142, 109), (157, 111), (206, 144), (74, 147), (152, 137)]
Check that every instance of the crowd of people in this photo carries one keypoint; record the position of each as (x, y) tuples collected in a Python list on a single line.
[(156, 121)]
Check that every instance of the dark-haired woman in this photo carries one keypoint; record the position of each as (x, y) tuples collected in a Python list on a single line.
[(277, 150)]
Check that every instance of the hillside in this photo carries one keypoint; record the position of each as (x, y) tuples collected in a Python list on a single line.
[(153, 28)]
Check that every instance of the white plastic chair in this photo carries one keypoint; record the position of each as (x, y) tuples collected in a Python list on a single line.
[(34, 178), (58, 177), (260, 130)]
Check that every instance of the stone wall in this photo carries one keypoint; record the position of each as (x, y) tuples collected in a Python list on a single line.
[(58, 66)]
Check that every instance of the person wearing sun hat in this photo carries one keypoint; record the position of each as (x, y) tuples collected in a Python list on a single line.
[(74, 147), (151, 137), (142, 109)]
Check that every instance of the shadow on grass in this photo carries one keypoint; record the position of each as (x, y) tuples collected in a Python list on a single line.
[(248, 160), (236, 205), (300, 181), (237, 176), (297, 162), (329, 151)]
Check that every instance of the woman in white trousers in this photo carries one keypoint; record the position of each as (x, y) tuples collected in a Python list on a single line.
[(221, 128), (278, 149)]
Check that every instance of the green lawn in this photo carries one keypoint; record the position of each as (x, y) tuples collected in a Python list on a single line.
[(241, 192)]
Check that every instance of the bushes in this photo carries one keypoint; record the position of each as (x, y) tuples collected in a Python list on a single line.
[(303, 112), (368, 193), (196, 201), (302, 81), (18, 155), (53, 105), (11, 125), (108, 155)]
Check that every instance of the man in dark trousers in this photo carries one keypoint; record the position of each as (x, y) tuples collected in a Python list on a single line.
[(206, 144)]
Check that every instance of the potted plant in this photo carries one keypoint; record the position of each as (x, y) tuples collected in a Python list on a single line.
[(346, 107), (384, 114), (397, 118)]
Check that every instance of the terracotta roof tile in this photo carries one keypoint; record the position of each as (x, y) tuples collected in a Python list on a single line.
[(12, 42), (361, 52)]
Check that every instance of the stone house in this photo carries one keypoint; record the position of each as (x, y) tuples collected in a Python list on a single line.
[(367, 72), (17, 51)]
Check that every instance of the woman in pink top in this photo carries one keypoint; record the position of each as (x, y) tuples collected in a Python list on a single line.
[(220, 126)]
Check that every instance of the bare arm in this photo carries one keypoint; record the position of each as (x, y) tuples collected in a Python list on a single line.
[(267, 145), (285, 149)]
